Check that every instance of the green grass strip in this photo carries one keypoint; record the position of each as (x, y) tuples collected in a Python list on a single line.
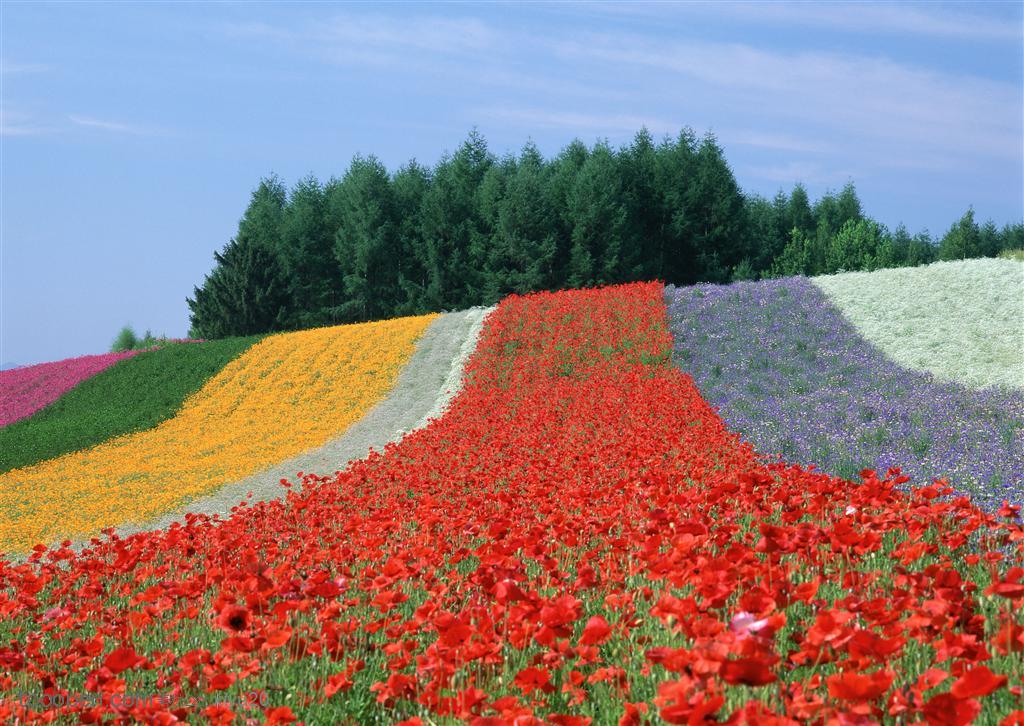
[(134, 394)]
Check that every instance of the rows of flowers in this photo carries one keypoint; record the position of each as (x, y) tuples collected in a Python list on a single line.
[(791, 375), (136, 394), (578, 540), (286, 394), (23, 391)]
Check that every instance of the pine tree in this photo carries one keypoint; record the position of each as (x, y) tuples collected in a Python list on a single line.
[(366, 245), (854, 247), (409, 186), (716, 209), (676, 163), (765, 230), (522, 253), (451, 227), (264, 217), (598, 218), (848, 205), (645, 219), (246, 293), (560, 181), (307, 244), (989, 242), (796, 256), (799, 213), (962, 241)]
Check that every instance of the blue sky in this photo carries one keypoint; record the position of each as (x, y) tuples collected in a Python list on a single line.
[(133, 134)]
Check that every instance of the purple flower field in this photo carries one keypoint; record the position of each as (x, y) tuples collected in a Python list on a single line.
[(791, 375)]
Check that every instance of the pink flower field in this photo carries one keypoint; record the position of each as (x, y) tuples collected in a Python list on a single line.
[(23, 391)]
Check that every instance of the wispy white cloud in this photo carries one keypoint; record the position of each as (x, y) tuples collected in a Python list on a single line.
[(114, 126), (10, 68), (927, 19), (598, 124), (777, 141), (795, 171), (852, 96), (380, 39), (876, 17), (881, 112), (463, 53), (20, 124)]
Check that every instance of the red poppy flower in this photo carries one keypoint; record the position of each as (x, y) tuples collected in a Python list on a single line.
[(977, 682), (234, 618)]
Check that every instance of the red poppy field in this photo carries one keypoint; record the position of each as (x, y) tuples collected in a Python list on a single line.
[(578, 540)]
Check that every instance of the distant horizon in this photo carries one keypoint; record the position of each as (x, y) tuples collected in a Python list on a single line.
[(133, 134)]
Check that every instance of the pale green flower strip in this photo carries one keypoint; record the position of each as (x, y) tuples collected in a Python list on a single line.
[(962, 321)]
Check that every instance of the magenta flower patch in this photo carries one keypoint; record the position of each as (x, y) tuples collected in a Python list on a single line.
[(23, 391)]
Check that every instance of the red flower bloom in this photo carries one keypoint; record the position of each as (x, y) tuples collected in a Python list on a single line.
[(234, 618), (977, 682)]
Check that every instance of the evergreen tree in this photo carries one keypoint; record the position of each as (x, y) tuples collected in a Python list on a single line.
[(598, 218), (451, 228), (765, 230), (560, 181), (716, 210), (409, 187), (474, 229), (1012, 237), (675, 173), (264, 217), (901, 246), (848, 205), (962, 241), (307, 251), (645, 219), (246, 293), (796, 257), (799, 213), (366, 245), (989, 242), (923, 250), (855, 247), (885, 252), (522, 252)]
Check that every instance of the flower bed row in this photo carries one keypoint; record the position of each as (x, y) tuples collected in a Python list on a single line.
[(285, 394), (579, 539), (134, 395), (791, 375), (23, 391)]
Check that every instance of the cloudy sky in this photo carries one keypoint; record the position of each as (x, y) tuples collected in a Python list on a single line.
[(133, 134)]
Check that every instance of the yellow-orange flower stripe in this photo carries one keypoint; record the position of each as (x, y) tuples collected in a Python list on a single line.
[(288, 393)]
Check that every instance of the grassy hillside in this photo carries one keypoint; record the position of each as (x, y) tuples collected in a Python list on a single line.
[(132, 395)]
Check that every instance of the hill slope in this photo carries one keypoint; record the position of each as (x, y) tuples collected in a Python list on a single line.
[(962, 321), (134, 395), (790, 373), (25, 390), (285, 394)]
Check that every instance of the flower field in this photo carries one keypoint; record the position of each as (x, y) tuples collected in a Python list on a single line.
[(23, 391), (135, 395), (580, 539), (288, 393), (791, 375), (961, 320)]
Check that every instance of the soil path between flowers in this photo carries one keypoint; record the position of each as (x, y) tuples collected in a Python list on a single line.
[(424, 389)]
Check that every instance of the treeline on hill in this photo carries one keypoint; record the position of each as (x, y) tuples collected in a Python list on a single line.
[(474, 228)]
